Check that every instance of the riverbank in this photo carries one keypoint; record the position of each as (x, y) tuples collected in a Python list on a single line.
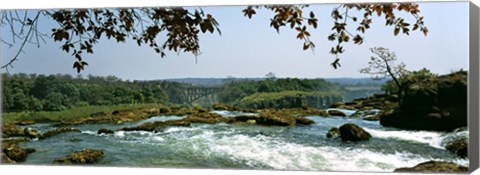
[(70, 115)]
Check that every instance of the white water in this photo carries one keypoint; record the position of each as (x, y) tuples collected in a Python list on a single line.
[(257, 147), (431, 138), (276, 153)]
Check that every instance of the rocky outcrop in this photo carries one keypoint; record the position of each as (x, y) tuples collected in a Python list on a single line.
[(6, 159), (458, 147), (435, 166), (13, 153), (303, 121), (376, 101), (25, 122), (333, 133), (31, 133), (156, 126), (271, 118), (352, 132), (208, 118), (372, 118), (12, 131), (224, 107), (435, 103), (57, 131), (334, 112), (86, 156), (105, 131)]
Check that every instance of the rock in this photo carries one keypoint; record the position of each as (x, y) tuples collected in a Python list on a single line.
[(313, 111), (202, 110), (337, 105), (30, 133), (333, 133), (57, 131), (271, 118), (86, 156), (105, 131), (12, 131), (334, 112), (25, 122), (459, 147), (164, 111), (115, 112), (352, 132), (15, 153), (6, 159), (209, 118), (435, 166), (372, 117), (303, 121), (251, 122), (220, 106), (97, 114), (153, 126), (434, 103)]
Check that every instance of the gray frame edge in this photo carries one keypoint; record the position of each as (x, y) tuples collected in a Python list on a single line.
[(473, 89)]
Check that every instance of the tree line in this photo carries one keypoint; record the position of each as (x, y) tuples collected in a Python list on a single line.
[(32, 92), (234, 91)]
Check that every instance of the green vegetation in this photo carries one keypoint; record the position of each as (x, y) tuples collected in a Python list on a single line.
[(69, 115), (259, 97), (235, 91), (22, 92), (290, 99)]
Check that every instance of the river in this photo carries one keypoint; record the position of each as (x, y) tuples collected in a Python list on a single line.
[(238, 146)]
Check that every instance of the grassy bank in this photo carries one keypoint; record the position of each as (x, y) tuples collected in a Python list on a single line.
[(71, 114)]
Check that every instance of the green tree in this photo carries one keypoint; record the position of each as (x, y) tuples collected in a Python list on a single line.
[(54, 102), (79, 30)]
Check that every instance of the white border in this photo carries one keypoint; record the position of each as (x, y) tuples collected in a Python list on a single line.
[(46, 4)]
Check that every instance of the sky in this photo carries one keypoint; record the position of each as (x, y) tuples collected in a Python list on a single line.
[(251, 48)]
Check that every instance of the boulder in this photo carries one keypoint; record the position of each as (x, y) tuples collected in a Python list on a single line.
[(352, 132), (458, 147), (220, 106), (12, 131), (303, 121), (105, 131), (333, 133), (251, 122), (334, 112), (86, 156), (6, 159), (15, 153), (372, 117), (164, 111), (31, 133), (435, 166), (57, 131)]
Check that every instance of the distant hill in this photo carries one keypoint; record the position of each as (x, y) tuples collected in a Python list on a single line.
[(221, 81), (354, 81), (209, 81)]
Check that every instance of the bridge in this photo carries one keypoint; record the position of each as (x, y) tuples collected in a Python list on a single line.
[(192, 94)]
